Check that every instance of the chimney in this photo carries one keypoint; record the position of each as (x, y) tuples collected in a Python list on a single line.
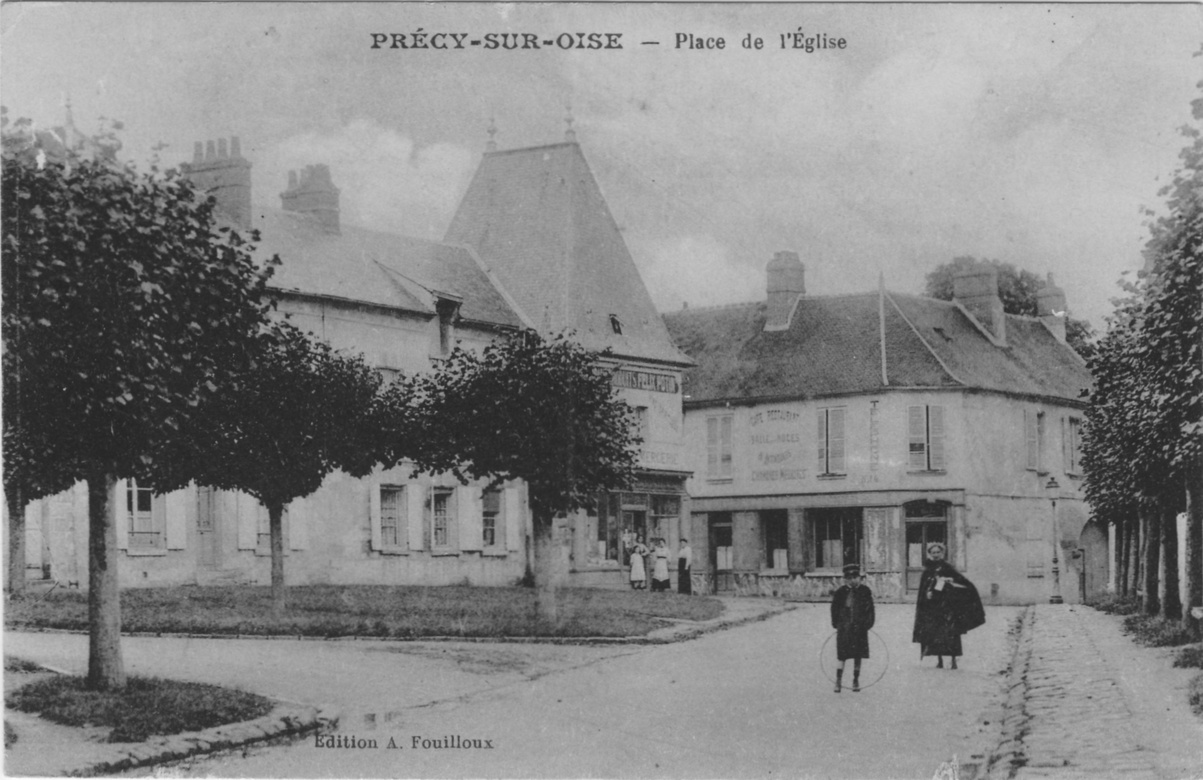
[(786, 283), (1050, 306), (975, 288), (221, 171), (312, 192)]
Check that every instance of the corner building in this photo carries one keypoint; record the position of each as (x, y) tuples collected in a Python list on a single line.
[(827, 430)]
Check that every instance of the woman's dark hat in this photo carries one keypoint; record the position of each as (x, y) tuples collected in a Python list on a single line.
[(852, 570)]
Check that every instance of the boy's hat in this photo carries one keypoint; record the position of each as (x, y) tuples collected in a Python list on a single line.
[(852, 570)]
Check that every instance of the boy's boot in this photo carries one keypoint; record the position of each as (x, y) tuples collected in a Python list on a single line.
[(839, 676), (856, 677)]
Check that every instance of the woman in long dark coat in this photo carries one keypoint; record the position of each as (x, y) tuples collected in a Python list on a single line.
[(948, 606), (852, 616)]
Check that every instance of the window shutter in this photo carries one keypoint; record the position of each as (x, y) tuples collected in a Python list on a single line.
[(512, 510), (247, 509), (297, 515), (835, 440), (726, 456), (1031, 441), (374, 514), (118, 500), (822, 439), (917, 433), (415, 501), (935, 435), (177, 514), (712, 446), (469, 507)]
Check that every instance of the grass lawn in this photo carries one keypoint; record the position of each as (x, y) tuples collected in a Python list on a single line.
[(370, 610), (148, 706)]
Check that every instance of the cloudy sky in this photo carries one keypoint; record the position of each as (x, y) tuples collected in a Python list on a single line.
[(1028, 133)]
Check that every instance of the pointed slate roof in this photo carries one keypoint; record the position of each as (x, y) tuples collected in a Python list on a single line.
[(834, 344), (384, 269), (538, 221)]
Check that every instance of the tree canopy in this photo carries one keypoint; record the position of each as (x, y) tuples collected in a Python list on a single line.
[(1018, 290), (540, 410), (299, 411), (126, 309)]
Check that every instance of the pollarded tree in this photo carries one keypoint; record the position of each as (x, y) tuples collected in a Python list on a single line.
[(542, 411), (125, 308), (298, 413), (1017, 288)]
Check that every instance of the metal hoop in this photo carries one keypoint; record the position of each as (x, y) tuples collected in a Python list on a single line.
[(885, 667)]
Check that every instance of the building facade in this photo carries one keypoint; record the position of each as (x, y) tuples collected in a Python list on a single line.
[(828, 430), (405, 303)]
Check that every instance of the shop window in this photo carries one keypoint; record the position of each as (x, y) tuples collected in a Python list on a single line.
[(718, 447), (837, 537), (774, 525)]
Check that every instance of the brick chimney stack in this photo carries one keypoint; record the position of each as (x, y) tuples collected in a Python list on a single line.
[(976, 289), (222, 171), (1050, 306), (786, 283), (313, 193)]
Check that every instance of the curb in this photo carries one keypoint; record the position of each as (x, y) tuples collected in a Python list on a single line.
[(668, 635), (286, 720), (1008, 756)]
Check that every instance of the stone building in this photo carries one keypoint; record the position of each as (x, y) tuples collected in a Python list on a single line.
[(826, 430), (533, 245)]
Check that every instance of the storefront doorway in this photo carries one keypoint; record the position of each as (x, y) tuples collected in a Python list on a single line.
[(721, 558), (925, 523)]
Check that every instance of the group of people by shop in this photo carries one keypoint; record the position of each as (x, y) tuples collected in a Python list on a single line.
[(641, 559), (947, 606)]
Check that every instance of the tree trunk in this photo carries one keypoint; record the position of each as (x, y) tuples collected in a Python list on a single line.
[(275, 517), (15, 581), (1136, 559), (546, 564), (1151, 520), (1125, 557), (1194, 546), (1171, 600), (106, 671)]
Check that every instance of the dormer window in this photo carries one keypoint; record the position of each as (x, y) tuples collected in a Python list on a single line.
[(448, 311), (616, 324)]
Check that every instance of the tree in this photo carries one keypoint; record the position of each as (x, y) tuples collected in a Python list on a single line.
[(125, 308), (300, 411), (1017, 288), (542, 411), (1144, 437)]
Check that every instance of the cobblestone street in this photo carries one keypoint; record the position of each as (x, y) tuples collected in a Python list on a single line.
[(1085, 702)]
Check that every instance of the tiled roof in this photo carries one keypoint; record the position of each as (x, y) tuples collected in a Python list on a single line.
[(379, 268), (833, 347), (537, 219)]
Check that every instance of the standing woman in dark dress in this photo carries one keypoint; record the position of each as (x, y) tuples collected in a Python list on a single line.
[(852, 616), (948, 606)]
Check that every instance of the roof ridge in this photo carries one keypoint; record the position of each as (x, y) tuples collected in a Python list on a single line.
[(714, 307)]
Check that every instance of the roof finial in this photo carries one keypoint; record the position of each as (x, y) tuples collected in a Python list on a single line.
[(570, 134), (491, 146)]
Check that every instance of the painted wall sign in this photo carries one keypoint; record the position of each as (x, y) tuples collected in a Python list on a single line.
[(645, 380)]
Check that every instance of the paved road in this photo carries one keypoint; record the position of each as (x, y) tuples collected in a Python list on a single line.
[(747, 702)]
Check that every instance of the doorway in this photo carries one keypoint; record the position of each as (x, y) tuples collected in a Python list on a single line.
[(721, 547), (925, 523), (206, 527)]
